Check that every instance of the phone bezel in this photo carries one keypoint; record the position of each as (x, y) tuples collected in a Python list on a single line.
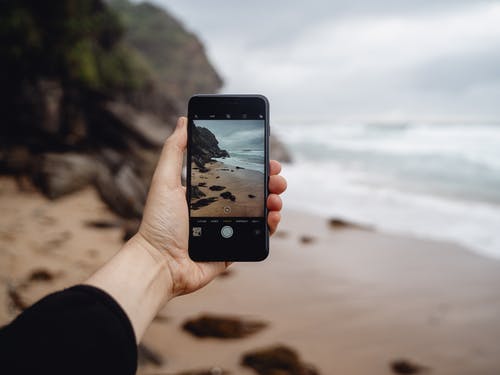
[(205, 104)]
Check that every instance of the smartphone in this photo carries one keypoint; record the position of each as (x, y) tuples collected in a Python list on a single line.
[(227, 177)]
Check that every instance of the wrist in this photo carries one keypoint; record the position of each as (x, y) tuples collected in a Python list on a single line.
[(160, 278)]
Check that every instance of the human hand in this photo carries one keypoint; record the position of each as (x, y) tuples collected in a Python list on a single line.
[(164, 229)]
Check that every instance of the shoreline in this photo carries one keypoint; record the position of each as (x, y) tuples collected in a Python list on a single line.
[(349, 300), (229, 191)]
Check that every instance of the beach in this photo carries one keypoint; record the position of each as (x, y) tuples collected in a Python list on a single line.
[(245, 185), (349, 300)]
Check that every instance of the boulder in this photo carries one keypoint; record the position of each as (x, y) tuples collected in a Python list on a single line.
[(59, 174), (277, 360), (223, 327), (124, 192)]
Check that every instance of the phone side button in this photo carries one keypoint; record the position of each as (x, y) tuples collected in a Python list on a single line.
[(226, 231)]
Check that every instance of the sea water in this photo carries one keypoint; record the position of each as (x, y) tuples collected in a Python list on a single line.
[(439, 181)]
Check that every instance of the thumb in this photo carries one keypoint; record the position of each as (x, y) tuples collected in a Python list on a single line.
[(169, 168)]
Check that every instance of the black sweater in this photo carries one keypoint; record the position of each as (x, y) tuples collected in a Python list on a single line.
[(81, 330)]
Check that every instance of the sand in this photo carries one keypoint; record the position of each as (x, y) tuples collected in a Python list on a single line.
[(350, 301), (239, 182)]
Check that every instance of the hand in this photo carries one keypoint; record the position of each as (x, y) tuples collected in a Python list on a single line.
[(165, 224)]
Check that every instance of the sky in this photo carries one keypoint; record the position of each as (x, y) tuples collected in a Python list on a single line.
[(356, 60), (236, 134)]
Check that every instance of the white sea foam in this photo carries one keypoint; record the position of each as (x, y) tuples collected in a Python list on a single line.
[(432, 181)]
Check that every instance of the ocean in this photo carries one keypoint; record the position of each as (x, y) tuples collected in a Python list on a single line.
[(436, 181), (245, 158)]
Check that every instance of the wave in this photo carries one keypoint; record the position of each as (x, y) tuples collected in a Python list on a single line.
[(432, 181)]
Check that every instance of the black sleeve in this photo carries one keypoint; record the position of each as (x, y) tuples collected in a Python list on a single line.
[(81, 330)]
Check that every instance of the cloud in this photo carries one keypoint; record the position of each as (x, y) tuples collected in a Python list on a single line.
[(357, 59)]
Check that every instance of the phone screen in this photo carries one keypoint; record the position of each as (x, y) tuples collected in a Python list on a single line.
[(227, 183)]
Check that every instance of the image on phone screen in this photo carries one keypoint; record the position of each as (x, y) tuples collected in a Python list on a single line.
[(227, 168)]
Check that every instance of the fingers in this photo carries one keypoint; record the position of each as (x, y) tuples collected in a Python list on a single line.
[(277, 184), (274, 202), (274, 167), (169, 168), (273, 220)]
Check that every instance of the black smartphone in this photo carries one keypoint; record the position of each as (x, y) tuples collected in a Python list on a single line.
[(227, 177)]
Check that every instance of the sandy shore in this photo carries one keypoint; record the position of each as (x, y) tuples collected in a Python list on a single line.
[(349, 300), (241, 183)]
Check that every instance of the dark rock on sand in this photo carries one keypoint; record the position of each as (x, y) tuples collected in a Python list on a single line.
[(202, 184), (217, 177), (404, 366), (224, 327), (210, 371), (239, 167), (15, 298), (196, 192), (336, 223), (103, 224), (277, 360), (307, 239), (228, 195), (217, 188), (251, 196), (146, 355), (41, 274), (202, 203)]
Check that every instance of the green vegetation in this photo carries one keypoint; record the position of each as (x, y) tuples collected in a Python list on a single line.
[(76, 41)]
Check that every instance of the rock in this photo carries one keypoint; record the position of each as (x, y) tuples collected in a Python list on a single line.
[(277, 360), (202, 184), (217, 188), (217, 177), (103, 224), (204, 146), (251, 196), (307, 239), (59, 174), (224, 327), (228, 195), (239, 167), (196, 192), (404, 366), (211, 371), (278, 151), (124, 192), (146, 355), (202, 203), (15, 159), (15, 298), (41, 274), (141, 126), (336, 223)]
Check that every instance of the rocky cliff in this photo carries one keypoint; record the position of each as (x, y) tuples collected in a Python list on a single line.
[(205, 147), (90, 90)]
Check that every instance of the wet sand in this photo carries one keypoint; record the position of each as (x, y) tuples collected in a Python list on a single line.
[(349, 300), (241, 183)]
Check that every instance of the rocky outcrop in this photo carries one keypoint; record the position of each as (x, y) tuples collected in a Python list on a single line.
[(277, 360), (205, 147)]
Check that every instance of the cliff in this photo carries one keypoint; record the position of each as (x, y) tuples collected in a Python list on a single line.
[(90, 90), (205, 146)]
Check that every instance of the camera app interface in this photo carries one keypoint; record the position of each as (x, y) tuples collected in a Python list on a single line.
[(227, 178)]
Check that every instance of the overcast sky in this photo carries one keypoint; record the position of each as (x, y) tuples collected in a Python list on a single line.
[(361, 60)]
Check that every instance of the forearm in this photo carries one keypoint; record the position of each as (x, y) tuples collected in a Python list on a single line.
[(137, 277)]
